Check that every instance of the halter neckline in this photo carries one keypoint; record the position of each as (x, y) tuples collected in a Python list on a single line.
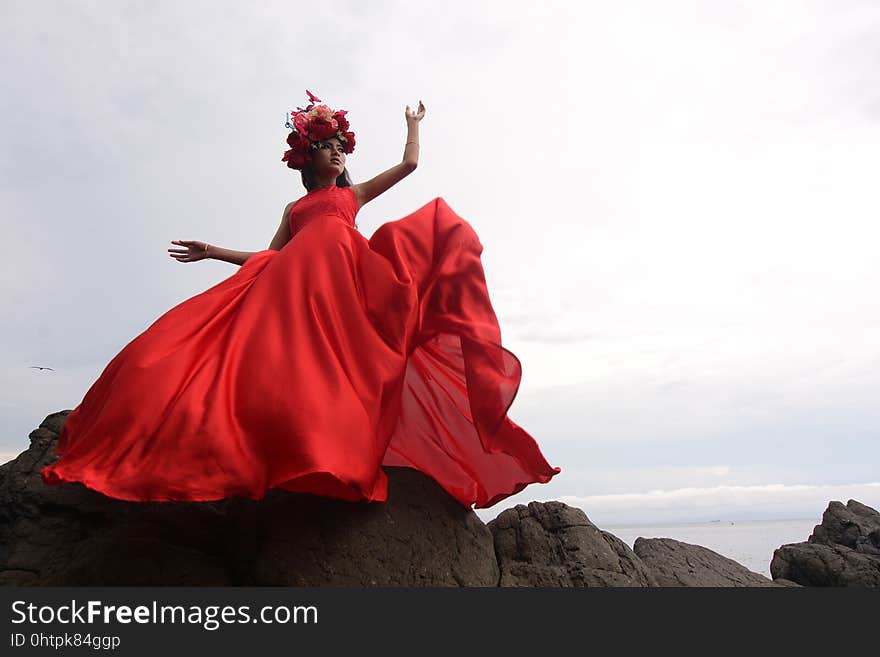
[(317, 189)]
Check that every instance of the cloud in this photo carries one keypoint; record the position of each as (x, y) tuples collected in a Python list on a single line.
[(685, 261), (722, 502), (768, 501)]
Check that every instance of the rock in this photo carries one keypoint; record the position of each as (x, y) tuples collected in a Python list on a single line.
[(856, 526), (781, 581), (69, 535), (844, 550), (674, 563), (824, 565), (553, 544)]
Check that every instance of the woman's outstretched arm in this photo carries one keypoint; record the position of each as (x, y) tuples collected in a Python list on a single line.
[(196, 251), (229, 255)]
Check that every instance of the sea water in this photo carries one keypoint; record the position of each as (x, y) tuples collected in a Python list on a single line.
[(748, 542)]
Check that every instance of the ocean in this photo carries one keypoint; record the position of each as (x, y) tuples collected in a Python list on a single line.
[(748, 542)]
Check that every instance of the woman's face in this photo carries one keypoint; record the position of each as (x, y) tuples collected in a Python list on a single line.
[(329, 157)]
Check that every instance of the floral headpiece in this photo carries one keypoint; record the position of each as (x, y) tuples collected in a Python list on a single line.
[(312, 125)]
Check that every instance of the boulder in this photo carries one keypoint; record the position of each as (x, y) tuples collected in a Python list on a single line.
[(674, 563), (844, 550), (553, 544), (70, 535)]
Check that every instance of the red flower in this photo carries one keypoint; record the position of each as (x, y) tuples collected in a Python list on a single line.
[(296, 159), (348, 143), (341, 121), (320, 129), (299, 154)]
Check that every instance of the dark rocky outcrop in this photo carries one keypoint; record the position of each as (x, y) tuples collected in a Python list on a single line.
[(682, 564), (844, 550), (70, 535), (553, 544)]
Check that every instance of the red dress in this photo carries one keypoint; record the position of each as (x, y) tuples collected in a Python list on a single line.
[(310, 368)]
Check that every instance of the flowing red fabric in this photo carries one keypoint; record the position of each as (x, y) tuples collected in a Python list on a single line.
[(310, 368)]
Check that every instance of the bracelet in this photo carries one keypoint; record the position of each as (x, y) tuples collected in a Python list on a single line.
[(206, 249)]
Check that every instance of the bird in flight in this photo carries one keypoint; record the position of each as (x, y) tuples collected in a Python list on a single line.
[(42, 368)]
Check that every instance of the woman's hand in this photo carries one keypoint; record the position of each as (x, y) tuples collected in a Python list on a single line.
[(193, 252), (414, 117)]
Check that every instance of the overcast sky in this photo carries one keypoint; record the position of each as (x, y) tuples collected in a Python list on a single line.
[(677, 203)]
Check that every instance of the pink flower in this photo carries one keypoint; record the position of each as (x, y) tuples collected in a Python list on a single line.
[(301, 123), (322, 112)]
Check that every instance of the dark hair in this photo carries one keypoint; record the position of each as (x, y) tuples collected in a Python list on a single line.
[(308, 178)]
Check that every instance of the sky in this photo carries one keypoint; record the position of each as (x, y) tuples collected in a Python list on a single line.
[(677, 203)]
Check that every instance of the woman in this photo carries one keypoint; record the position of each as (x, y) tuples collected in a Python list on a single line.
[(322, 359), (329, 156)]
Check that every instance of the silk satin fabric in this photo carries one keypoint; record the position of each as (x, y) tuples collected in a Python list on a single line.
[(310, 368)]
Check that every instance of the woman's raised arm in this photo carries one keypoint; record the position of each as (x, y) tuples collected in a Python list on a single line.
[(367, 191)]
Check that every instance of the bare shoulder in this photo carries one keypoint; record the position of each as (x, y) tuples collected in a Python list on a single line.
[(285, 216), (290, 205)]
